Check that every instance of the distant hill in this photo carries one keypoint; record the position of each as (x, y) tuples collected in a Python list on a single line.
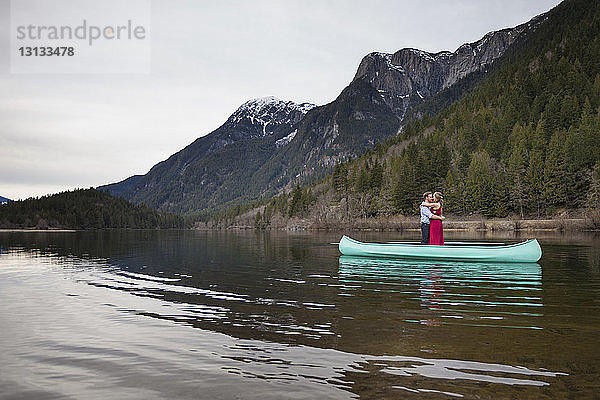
[(4, 200), (218, 168), (83, 209)]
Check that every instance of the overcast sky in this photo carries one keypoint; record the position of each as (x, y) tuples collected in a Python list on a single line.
[(66, 131)]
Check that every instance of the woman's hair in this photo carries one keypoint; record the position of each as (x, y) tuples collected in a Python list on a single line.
[(438, 198)]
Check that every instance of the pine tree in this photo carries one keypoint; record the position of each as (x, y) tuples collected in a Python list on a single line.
[(516, 173), (517, 167), (258, 221), (296, 202), (593, 196), (479, 185), (406, 192), (535, 169), (454, 192), (376, 178), (362, 182), (340, 178), (555, 172)]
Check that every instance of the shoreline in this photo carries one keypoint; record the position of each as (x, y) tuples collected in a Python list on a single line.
[(35, 230), (393, 224), (399, 224)]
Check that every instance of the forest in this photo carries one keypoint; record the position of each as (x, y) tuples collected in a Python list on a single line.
[(84, 209), (524, 142)]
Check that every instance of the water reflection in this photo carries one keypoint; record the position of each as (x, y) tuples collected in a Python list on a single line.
[(483, 294), (254, 316), (124, 327)]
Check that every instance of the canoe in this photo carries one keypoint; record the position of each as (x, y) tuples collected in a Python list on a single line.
[(528, 251)]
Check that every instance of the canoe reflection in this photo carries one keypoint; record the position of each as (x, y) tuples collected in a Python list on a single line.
[(467, 270), (457, 293)]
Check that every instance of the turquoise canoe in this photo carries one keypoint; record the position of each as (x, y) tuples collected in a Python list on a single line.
[(528, 251)]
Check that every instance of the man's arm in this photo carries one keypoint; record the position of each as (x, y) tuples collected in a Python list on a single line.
[(433, 216), (426, 211)]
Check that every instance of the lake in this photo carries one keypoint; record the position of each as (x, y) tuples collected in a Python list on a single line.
[(255, 315)]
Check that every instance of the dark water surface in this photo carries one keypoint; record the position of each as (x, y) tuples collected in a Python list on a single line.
[(245, 315)]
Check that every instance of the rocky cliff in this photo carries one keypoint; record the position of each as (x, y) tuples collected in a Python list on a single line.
[(407, 77)]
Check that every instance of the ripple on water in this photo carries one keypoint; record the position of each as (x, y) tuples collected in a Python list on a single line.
[(469, 291), (142, 334)]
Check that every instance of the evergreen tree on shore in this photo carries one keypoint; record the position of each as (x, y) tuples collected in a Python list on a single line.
[(84, 209)]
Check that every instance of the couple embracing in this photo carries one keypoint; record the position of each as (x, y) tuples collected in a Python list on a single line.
[(432, 231)]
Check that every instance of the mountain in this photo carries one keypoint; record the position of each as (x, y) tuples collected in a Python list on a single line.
[(384, 88), (404, 79), (4, 200), (83, 209), (269, 145), (344, 128), (217, 168), (523, 142)]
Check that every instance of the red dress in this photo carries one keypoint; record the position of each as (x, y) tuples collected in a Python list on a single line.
[(436, 231)]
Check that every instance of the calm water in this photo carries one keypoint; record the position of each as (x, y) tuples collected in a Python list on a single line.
[(244, 315)]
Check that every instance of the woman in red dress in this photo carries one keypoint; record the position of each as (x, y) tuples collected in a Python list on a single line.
[(436, 230)]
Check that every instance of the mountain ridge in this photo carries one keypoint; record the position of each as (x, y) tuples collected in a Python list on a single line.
[(268, 145), (409, 75), (249, 135)]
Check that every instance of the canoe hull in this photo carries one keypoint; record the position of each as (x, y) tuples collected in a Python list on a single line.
[(528, 251)]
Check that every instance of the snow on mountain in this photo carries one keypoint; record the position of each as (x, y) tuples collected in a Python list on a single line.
[(210, 169), (269, 110), (285, 140)]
